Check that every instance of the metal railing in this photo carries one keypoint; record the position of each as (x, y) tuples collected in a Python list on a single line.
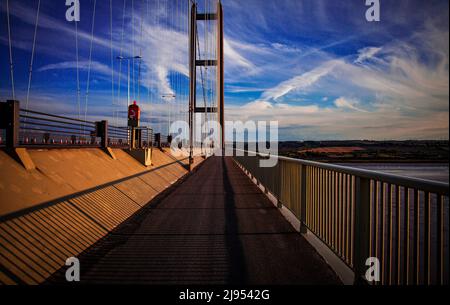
[(34, 129), (38, 129), (361, 214), (118, 136)]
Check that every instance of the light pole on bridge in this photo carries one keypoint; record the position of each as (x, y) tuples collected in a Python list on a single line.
[(129, 59), (169, 98)]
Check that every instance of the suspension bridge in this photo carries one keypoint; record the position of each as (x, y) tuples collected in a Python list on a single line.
[(114, 196)]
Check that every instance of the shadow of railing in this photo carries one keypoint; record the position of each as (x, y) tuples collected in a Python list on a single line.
[(37, 241)]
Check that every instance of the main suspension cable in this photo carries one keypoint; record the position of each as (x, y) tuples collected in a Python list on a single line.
[(90, 62), (11, 63), (112, 53), (120, 62), (77, 55), (140, 52), (30, 71)]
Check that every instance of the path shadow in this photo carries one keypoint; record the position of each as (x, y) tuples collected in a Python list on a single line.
[(238, 272)]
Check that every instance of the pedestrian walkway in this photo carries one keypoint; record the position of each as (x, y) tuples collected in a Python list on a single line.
[(216, 227)]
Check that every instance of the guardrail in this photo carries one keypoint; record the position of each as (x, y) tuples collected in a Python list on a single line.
[(361, 214), (118, 136), (2, 138), (37, 128), (34, 129)]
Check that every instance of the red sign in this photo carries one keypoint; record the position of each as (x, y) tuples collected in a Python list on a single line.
[(134, 115), (134, 112)]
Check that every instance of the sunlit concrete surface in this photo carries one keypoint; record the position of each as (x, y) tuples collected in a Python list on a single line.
[(61, 172), (69, 202)]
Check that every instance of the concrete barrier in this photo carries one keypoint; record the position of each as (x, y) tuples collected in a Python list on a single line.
[(69, 202)]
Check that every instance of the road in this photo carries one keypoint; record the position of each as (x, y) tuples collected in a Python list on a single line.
[(216, 227)]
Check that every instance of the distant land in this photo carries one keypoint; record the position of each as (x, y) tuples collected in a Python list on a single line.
[(368, 151)]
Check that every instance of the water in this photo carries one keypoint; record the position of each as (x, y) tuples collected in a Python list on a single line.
[(436, 172)]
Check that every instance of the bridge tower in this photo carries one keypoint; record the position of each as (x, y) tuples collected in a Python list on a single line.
[(216, 62)]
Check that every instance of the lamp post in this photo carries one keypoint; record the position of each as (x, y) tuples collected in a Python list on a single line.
[(169, 97), (128, 59)]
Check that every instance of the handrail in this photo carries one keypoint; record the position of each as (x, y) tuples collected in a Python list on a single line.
[(56, 116), (54, 126), (360, 213), (412, 182), (25, 128), (57, 132), (33, 118)]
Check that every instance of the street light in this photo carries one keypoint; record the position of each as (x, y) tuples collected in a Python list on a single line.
[(169, 97), (128, 59)]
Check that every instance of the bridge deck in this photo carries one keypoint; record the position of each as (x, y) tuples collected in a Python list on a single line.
[(216, 227)]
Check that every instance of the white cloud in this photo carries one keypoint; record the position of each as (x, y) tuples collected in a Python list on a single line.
[(300, 82), (234, 59), (366, 54), (313, 122), (82, 65), (285, 48), (241, 89), (348, 104), (404, 87), (165, 51)]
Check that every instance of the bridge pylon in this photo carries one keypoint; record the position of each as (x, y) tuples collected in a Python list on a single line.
[(216, 62)]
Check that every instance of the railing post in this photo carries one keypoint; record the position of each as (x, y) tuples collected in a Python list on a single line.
[(158, 140), (10, 121), (104, 141), (303, 228), (361, 234), (139, 138), (281, 181), (102, 132)]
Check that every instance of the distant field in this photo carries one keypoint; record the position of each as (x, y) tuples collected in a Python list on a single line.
[(332, 150), (368, 151)]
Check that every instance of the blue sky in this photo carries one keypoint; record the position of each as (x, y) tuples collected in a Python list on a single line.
[(316, 66)]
